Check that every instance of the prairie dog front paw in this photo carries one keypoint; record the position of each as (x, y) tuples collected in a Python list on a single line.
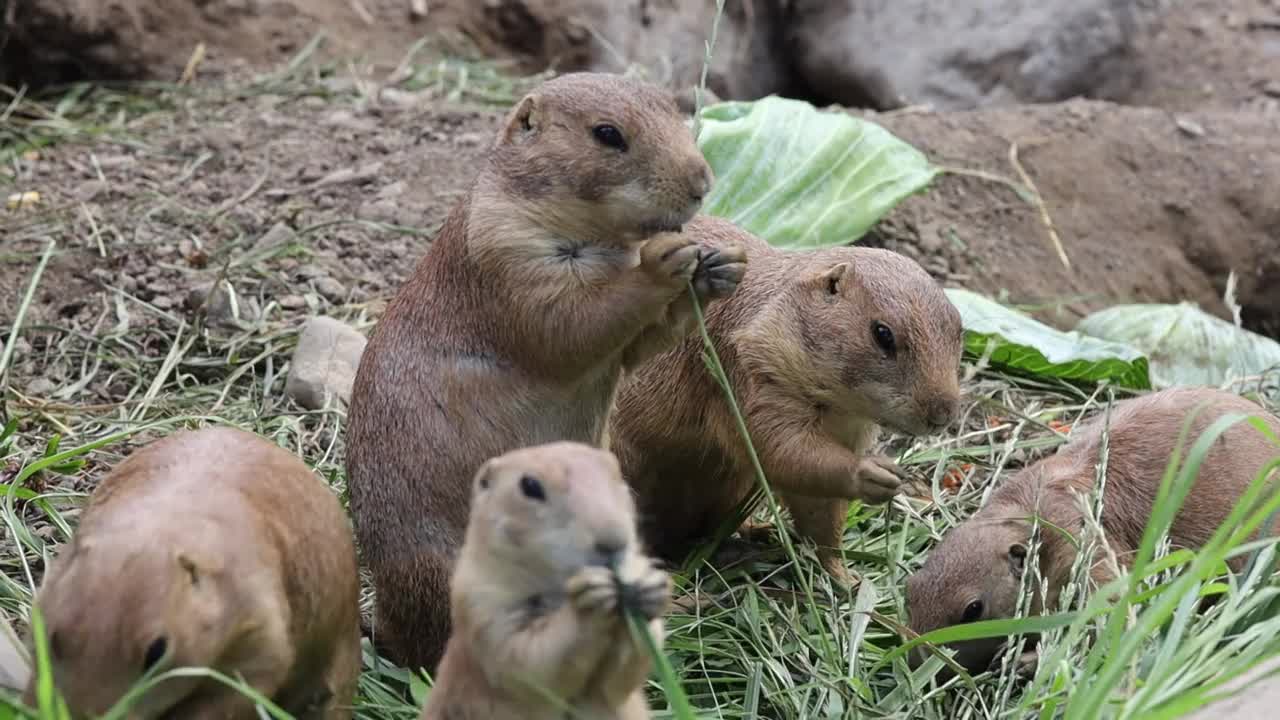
[(719, 272), (670, 258), (876, 479)]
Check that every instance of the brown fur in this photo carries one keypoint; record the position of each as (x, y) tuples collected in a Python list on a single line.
[(538, 592), (546, 280), (235, 553), (977, 561), (796, 341)]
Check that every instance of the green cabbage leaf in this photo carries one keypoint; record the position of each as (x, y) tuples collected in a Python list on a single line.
[(800, 177), (1186, 345), (1020, 343)]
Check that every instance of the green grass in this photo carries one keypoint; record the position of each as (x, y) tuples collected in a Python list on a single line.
[(770, 637)]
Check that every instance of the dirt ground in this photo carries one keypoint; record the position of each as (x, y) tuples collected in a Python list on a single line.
[(311, 203)]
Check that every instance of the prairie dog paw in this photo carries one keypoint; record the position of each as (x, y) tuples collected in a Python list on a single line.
[(593, 591), (719, 272), (670, 258), (876, 479), (649, 594)]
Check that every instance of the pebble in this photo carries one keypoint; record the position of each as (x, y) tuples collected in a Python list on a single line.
[(331, 289), (324, 363), (275, 238), (15, 672), (221, 307), (1190, 127), (90, 190), (310, 272), (292, 302), (392, 191), (384, 211)]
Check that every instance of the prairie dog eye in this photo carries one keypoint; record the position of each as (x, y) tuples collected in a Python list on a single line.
[(972, 611), (155, 652), (883, 337), (532, 489), (609, 136)]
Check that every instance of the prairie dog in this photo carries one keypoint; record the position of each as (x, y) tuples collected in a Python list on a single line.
[(550, 560), (821, 347), (975, 572), (562, 266), (207, 548)]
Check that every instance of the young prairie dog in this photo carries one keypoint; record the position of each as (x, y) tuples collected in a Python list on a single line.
[(562, 266), (551, 559), (821, 347), (209, 548), (976, 571)]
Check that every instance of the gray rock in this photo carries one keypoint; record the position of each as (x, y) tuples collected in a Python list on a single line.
[(40, 387), (324, 363), (968, 53), (1252, 694), (222, 306), (331, 289), (277, 237), (14, 668), (293, 302)]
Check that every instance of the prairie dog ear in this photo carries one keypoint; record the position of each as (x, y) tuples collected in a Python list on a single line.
[(523, 120), (1017, 560), (484, 477), (190, 565), (833, 279)]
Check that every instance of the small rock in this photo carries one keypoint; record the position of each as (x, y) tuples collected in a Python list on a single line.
[(392, 191), (331, 289), (277, 237), (163, 302), (937, 266), (1272, 89), (273, 119), (384, 211), (160, 287), (324, 363), (40, 387), (90, 190), (405, 99), (344, 119), (310, 272), (221, 307), (1190, 127), (107, 162), (15, 669), (292, 302)]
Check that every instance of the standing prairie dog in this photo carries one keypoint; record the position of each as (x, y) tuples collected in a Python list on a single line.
[(209, 548), (821, 347), (550, 561), (562, 266), (976, 571)]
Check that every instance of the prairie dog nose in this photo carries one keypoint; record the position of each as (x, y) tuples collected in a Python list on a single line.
[(609, 549), (701, 182), (940, 412)]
